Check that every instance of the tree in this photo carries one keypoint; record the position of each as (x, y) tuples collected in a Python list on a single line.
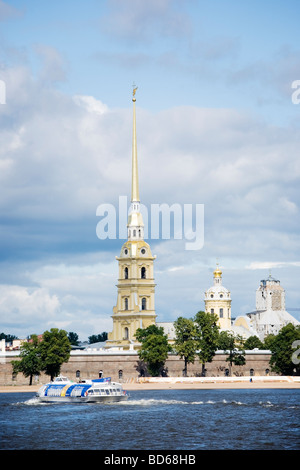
[(186, 341), (207, 336), (282, 347), (98, 338), (253, 342), (30, 362), (232, 345), (73, 338), (154, 349), (54, 351), (269, 340), (8, 338)]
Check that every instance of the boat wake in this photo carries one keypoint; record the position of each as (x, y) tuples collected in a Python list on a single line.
[(157, 402), (34, 401), (154, 402)]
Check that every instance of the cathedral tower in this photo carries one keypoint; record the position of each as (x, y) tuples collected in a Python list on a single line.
[(135, 301), (218, 300)]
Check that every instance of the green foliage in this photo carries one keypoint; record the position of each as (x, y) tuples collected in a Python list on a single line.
[(186, 340), (30, 362), (253, 342), (154, 348), (283, 360), (73, 338), (269, 340), (233, 347), (98, 338), (8, 338), (207, 336), (54, 350)]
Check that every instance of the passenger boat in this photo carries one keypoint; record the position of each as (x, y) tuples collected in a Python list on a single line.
[(86, 391)]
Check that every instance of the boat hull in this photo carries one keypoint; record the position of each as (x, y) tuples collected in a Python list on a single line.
[(88, 399)]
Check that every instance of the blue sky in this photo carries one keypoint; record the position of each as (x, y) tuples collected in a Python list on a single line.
[(216, 126)]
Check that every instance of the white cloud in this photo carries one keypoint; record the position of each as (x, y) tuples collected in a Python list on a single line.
[(267, 265), (53, 65), (20, 306), (91, 104), (62, 156)]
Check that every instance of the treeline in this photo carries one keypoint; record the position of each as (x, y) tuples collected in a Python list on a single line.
[(73, 338), (199, 338), (196, 338)]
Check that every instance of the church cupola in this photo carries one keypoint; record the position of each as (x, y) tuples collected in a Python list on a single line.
[(218, 300)]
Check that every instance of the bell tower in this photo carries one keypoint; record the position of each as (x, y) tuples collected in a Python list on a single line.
[(135, 300)]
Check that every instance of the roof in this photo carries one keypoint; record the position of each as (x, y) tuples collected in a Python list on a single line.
[(99, 345), (274, 317)]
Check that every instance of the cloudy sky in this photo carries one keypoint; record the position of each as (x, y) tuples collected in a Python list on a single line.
[(216, 125)]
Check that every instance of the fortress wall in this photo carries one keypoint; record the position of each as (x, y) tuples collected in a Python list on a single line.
[(89, 365)]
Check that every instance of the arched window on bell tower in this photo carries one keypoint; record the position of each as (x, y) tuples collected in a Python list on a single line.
[(126, 273), (143, 273), (126, 303), (144, 303), (126, 333)]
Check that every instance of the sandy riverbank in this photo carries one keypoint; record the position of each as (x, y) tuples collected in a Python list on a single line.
[(183, 384)]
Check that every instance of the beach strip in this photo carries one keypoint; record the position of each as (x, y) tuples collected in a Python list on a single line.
[(186, 383)]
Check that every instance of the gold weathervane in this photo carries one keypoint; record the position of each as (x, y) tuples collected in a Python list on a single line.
[(134, 92)]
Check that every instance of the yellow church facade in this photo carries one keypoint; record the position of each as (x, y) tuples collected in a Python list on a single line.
[(135, 307)]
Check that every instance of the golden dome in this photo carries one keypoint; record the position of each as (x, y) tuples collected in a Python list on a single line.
[(217, 272)]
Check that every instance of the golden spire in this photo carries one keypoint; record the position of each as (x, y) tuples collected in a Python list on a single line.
[(135, 226), (135, 196)]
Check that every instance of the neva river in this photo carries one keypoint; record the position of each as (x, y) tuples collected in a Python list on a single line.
[(156, 420)]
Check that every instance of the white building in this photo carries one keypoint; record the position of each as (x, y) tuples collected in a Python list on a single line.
[(218, 300), (270, 314)]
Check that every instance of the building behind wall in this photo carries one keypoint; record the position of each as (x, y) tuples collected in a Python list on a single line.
[(270, 314), (218, 301)]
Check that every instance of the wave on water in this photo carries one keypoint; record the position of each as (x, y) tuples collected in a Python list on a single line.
[(153, 401), (34, 401), (31, 402), (157, 402)]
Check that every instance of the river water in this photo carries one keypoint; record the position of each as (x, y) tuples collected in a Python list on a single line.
[(166, 419)]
